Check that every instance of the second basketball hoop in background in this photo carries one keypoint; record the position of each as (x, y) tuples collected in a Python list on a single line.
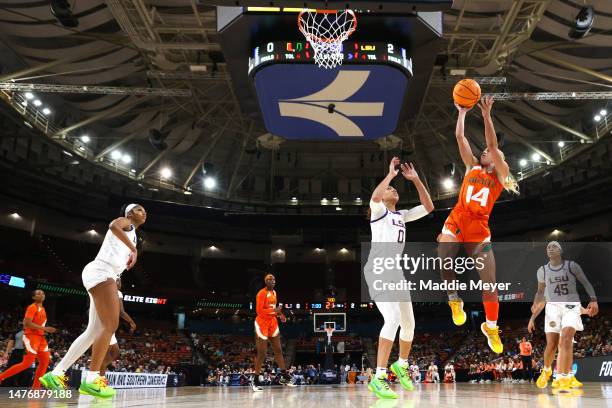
[(326, 30)]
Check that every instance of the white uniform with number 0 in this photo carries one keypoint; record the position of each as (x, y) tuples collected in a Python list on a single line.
[(390, 227)]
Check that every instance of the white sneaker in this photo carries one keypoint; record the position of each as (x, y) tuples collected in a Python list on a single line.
[(255, 387)]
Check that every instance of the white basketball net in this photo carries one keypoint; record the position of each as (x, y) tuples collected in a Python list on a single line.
[(325, 30)]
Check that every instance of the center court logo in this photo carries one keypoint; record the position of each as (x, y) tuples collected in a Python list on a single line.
[(316, 106)]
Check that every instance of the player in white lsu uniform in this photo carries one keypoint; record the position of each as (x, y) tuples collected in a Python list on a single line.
[(117, 253), (388, 227), (557, 292)]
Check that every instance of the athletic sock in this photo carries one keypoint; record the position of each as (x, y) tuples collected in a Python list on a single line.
[(453, 297), (92, 375), (547, 369), (491, 324), (381, 371), (402, 362), (57, 371)]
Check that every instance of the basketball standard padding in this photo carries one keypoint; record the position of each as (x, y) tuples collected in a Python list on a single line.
[(466, 93)]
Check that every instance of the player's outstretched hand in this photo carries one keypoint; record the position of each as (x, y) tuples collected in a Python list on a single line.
[(395, 161), (409, 172), (531, 326), (50, 329), (485, 105)]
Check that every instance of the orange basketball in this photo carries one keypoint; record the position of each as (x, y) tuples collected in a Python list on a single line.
[(466, 93)]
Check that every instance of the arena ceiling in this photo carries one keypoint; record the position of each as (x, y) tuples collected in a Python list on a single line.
[(168, 53)]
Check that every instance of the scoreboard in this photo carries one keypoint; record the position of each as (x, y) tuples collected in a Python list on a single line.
[(354, 52)]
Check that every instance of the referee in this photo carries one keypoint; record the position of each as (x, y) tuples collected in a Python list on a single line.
[(526, 350), (15, 349)]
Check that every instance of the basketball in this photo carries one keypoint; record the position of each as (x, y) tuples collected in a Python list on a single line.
[(466, 93)]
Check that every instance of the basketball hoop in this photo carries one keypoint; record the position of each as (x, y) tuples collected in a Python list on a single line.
[(326, 30)]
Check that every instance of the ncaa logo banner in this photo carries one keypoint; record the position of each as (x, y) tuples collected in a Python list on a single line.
[(299, 101)]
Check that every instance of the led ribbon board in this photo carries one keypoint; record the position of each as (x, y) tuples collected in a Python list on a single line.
[(361, 99)]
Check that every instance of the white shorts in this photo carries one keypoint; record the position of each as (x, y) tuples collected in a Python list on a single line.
[(560, 315), (97, 272), (113, 340)]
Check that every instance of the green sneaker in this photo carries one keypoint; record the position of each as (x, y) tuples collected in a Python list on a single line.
[(53, 382), (380, 387), (402, 375), (97, 388)]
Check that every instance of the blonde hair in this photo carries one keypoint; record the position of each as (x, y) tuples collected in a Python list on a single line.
[(510, 184)]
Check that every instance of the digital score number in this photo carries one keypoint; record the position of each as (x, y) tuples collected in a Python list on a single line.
[(354, 52)]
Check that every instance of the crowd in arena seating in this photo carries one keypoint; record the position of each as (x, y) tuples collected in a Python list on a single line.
[(146, 350)]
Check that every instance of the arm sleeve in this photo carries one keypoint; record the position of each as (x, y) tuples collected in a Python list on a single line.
[(541, 274), (30, 312), (579, 273), (378, 209), (414, 213)]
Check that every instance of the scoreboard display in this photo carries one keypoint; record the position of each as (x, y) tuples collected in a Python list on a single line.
[(354, 52)]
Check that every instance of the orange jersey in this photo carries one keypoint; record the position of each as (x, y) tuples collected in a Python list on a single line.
[(479, 191), (265, 303), (38, 316)]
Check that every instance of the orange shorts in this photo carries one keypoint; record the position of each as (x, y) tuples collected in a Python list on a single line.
[(35, 343), (266, 327), (467, 227)]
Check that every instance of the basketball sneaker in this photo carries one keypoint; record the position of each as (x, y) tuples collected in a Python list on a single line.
[(565, 384), (574, 383), (459, 316), (97, 388), (380, 387), (493, 339), (255, 384), (555, 383), (53, 382), (542, 380), (401, 372)]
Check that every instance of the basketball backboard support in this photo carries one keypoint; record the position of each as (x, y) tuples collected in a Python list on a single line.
[(404, 6)]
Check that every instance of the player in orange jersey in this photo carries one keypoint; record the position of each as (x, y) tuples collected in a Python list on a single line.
[(468, 222), (266, 329), (34, 340)]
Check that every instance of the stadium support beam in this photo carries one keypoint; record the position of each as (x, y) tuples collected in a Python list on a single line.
[(213, 142), (231, 185), (539, 117), (150, 164), (104, 114), (574, 67), (115, 145), (89, 89)]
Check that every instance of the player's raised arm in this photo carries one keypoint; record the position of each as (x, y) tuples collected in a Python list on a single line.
[(377, 195), (464, 145), (501, 166), (426, 206), (593, 307)]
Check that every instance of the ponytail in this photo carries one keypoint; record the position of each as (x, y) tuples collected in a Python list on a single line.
[(511, 185)]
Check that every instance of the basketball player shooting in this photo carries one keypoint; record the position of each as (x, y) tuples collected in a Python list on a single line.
[(468, 222), (266, 329), (558, 294)]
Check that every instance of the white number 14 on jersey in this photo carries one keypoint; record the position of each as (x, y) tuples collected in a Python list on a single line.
[(481, 196)]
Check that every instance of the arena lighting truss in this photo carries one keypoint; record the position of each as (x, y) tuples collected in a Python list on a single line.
[(548, 96), (87, 89), (451, 80)]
